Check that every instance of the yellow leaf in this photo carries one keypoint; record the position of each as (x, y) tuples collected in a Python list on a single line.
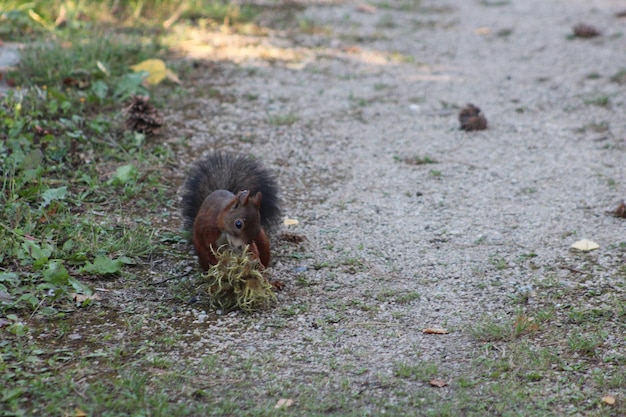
[(172, 76), (102, 68), (79, 413), (157, 71), (585, 245), (290, 222), (608, 399), (284, 403), (36, 17)]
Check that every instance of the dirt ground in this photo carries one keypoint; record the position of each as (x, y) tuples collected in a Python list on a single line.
[(344, 102)]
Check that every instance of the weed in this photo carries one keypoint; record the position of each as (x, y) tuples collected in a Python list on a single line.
[(600, 101), (421, 371), (528, 190), (619, 77), (498, 262), (283, 120), (490, 330), (583, 344), (416, 160), (57, 210), (407, 297)]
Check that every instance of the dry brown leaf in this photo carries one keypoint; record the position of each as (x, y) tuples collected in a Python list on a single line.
[(533, 327), (291, 238), (608, 399), (526, 323), (435, 331), (284, 403), (351, 49), (81, 298), (366, 8), (438, 383)]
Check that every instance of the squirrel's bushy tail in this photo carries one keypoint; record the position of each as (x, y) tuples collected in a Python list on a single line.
[(225, 171)]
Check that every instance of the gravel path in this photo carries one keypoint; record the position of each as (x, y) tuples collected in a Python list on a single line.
[(336, 105)]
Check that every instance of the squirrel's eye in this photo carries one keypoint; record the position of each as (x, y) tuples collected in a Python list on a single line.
[(238, 223)]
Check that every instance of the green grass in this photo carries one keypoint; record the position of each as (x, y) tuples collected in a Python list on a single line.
[(421, 371), (415, 160), (599, 100), (74, 185), (282, 120)]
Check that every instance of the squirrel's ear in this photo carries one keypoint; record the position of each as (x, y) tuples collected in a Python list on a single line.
[(242, 198), (256, 200)]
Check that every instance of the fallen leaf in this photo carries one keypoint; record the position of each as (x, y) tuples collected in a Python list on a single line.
[(291, 238), (62, 18), (366, 8), (524, 323), (585, 245), (81, 298), (608, 399), (5, 298), (284, 403), (435, 331), (351, 49), (157, 71), (438, 383), (73, 82), (79, 413), (36, 17), (103, 68), (290, 222), (172, 76)]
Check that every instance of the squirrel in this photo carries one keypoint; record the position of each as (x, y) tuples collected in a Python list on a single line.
[(232, 200)]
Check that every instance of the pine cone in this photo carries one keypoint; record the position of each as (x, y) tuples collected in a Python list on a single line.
[(583, 30), (143, 117), (471, 118)]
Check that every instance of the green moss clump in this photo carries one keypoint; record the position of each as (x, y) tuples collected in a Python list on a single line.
[(238, 281)]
